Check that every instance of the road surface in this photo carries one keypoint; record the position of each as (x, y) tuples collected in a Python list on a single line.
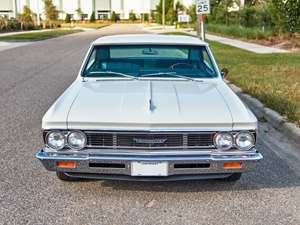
[(33, 76)]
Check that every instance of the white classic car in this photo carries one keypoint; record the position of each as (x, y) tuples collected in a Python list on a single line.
[(149, 107)]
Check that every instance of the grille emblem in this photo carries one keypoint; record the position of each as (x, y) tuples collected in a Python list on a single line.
[(150, 141)]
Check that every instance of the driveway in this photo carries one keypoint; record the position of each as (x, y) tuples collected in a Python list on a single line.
[(33, 76)]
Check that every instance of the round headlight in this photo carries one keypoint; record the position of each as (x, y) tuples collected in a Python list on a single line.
[(77, 140), (56, 140), (244, 140), (223, 141)]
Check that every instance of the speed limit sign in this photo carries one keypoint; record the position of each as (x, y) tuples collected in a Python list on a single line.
[(202, 7)]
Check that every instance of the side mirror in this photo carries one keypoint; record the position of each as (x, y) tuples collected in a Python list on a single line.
[(224, 72)]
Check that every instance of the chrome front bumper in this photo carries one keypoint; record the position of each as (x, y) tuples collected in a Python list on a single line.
[(180, 166)]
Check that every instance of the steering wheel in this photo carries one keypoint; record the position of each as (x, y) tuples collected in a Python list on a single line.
[(181, 64)]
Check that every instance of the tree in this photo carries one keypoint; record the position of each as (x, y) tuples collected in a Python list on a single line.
[(51, 12), (93, 18), (192, 13), (68, 18), (132, 16), (25, 18), (285, 15), (79, 13), (169, 10), (178, 8), (292, 15)]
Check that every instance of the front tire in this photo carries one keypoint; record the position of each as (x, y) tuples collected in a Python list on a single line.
[(64, 177), (234, 177)]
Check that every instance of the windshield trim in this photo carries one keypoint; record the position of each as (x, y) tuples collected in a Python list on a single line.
[(209, 52)]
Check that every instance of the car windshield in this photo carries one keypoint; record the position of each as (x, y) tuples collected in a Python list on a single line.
[(135, 61)]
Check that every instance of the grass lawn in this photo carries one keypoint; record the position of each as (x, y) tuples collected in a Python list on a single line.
[(36, 36), (272, 78)]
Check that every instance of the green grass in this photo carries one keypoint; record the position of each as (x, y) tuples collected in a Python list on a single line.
[(272, 78), (239, 31), (37, 36)]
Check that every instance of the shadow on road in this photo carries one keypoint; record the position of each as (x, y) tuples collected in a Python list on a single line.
[(271, 172)]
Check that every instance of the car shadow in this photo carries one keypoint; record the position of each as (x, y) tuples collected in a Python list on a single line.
[(271, 172)]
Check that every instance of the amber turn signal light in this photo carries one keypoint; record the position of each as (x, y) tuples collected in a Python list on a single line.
[(68, 164), (232, 165)]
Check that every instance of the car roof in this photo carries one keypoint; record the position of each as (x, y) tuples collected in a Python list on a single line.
[(149, 39)]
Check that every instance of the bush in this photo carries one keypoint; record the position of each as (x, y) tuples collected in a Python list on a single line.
[(68, 18), (93, 17), (239, 31), (146, 17), (281, 16), (132, 16), (114, 17), (248, 17), (13, 24)]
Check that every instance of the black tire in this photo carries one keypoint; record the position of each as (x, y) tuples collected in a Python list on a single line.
[(64, 177), (234, 177)]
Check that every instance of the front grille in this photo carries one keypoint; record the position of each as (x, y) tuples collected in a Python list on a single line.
[(200, 139), (99, 139), (149, 140)]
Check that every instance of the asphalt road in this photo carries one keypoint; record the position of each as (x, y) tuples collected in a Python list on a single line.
[(33, 76)]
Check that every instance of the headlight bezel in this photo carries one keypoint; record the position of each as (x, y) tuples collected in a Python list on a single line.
[(72, 146), (51, 146), (65, 134), (223, 133), (235, 135), (247, 133)]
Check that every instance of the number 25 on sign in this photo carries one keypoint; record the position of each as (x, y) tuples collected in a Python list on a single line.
[(203, 7)]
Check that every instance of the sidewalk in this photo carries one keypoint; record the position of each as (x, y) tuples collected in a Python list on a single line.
[(8, 45), (256, 48)]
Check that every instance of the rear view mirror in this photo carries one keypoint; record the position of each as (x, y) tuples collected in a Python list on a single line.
[(150, 51), (224, 72)]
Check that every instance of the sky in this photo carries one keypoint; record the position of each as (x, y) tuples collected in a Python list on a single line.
[(188, 2)]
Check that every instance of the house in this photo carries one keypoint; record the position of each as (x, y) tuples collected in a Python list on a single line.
[(102, 8), (7, 8)]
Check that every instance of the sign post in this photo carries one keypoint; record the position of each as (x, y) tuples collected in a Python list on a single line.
[(202, 8)]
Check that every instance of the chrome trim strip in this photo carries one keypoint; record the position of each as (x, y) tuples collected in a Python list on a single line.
[(149, 148), (151, 132), (42, 155), (184, 136)]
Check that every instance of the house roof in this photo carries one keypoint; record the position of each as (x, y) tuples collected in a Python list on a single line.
[(149, 39)]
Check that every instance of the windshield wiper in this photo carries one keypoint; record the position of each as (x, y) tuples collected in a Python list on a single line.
[(173, 74), (114, 73)]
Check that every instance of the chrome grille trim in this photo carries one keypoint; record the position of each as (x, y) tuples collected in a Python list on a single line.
[(125, 140)]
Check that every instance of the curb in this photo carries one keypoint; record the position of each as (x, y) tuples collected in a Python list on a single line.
[(263, 112)]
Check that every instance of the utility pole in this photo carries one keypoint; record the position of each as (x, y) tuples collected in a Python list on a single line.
[(164, 13), (202, 31), (38, 13)]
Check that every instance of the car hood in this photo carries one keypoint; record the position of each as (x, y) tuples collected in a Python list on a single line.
[(150, 105)]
